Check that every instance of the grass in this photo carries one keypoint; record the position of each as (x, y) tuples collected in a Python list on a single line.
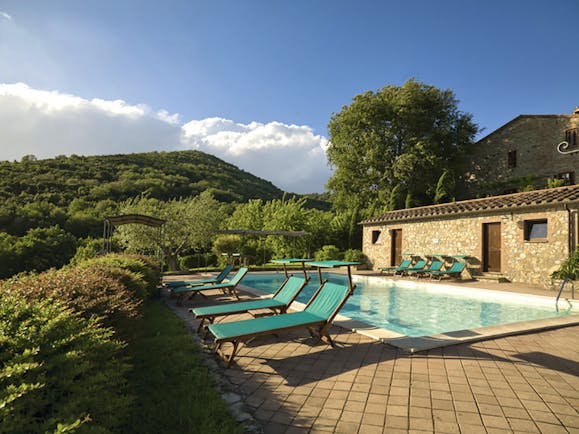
[(175, 393)]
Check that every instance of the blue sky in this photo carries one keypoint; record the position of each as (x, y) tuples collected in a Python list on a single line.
[(256, 82)]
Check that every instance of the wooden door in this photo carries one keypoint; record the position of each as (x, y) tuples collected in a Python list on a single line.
[(396, 248), (492, 247)]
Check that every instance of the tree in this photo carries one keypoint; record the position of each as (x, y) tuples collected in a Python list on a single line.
[(286, 215), (397, 198), (445, 187), (191, 224), (396, 136), (227, 245)]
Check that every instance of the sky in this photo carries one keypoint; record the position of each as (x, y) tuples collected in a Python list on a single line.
[(256, 82)]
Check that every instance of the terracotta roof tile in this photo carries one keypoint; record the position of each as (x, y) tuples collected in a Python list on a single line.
[(558, 195)]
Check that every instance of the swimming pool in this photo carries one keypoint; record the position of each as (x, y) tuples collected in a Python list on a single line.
[(417, 309)]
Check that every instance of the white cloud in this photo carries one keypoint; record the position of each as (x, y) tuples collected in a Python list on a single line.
[(292, 156), (47, 123), (50, 123), (5, 16)]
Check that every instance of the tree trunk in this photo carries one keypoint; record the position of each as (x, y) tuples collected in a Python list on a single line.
[(172, 263)]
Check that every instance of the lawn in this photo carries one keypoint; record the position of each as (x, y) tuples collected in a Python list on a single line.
[(175, 393)]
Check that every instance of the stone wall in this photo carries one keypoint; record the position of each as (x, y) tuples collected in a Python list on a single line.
[(521, 261), (535, 139)]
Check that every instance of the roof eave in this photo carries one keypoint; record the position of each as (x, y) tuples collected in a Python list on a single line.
[(509, 209)]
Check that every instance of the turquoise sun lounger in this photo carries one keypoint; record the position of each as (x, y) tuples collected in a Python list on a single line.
[(279, 303), (455, 270), (212, 281), (316, 318), (434, 266), (404, 265), (230, 287), (416, 267)]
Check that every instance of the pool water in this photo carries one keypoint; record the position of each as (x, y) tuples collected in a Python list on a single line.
[(422, 309)]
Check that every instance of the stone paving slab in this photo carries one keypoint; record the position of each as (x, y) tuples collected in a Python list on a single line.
[(295, 384)]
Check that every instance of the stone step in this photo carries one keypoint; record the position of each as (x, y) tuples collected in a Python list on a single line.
[(495, 277)]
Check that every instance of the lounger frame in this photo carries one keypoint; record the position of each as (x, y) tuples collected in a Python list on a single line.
[(229, 287), (237, 307), (319, 329), (187, 283)]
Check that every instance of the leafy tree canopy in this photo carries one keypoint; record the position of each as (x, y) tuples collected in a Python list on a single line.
[(398, 136), (190, 224)]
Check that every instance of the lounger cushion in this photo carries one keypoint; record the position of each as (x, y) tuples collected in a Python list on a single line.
[(222, 275), (191, 282), (328, 300), (404, 264), (456, 268), (203, 288), (435, 266), (268, 324), (233, 282), (244, 306), (290, 289)]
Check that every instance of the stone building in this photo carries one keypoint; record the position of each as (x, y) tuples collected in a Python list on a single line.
[(525, 151), (522, 237)]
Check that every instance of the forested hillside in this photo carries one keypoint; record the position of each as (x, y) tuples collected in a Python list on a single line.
[(52, 208), (75, 192), (162, 175)]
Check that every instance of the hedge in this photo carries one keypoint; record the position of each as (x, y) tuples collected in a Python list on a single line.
[(63, 338), (144, 266), (59, 370)]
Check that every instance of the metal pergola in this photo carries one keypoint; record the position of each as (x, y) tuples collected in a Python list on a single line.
[(264, 233), (110, 223)]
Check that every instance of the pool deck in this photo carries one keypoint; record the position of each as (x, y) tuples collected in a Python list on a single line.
[(519, 383)]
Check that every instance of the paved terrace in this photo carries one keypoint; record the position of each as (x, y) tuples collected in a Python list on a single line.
[(295, 384)]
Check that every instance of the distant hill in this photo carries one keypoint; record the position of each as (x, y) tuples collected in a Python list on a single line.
[(162, 175)]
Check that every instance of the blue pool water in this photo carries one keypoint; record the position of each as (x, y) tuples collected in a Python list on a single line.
[(422, 309)]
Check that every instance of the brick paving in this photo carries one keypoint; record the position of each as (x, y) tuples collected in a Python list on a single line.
[(295, 384)]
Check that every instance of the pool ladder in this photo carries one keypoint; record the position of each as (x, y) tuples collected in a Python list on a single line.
[(565, 280)]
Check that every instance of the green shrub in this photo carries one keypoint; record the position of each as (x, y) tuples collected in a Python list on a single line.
[(141, 265), (58, 370), (355, 255), (43, 248), (134, 282), (90, 291), (569, 268), (198, 260), (89, 248), (8, 256), (39, 250), (227, 244), (327, 253)]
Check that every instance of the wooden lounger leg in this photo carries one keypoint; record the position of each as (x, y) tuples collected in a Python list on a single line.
[(233, 351), (228, 358), (322, 334), (211, 319), (200, 325), (217, 348), (325, 337)]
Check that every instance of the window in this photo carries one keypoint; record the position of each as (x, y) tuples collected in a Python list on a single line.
[(376, 236), (571, 136), (512, 159), (536, 230), (569, 177)]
